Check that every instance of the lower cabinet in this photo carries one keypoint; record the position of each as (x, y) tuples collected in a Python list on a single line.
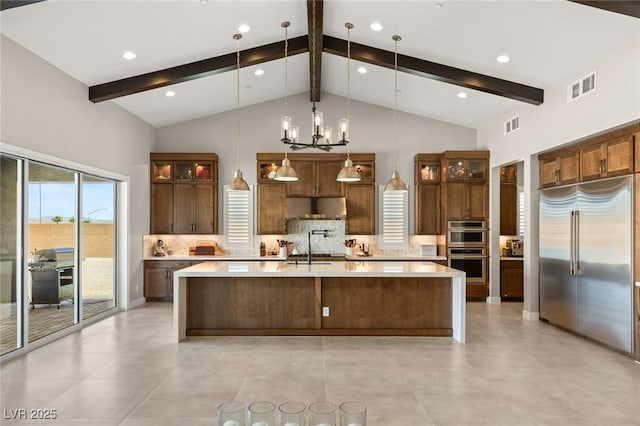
[(511, 280), (158, 278)]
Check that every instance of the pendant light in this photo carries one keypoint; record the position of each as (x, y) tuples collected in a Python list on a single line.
[(238, 183), (288, 132), (396, 183), (348, 172)]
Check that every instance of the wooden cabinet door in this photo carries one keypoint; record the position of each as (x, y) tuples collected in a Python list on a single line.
[(427, 213), (508, 209), (161, 208), (569, 164), (183, 206), (272, 208), (155, 282), (619, 156), (326, 183), (456, 204), (477, 201), (591, 161), (361, 219), (549, 171), (305, 185), (203, 210), (511, 280)]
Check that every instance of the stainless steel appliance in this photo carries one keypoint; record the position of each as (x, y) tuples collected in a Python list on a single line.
[(467, 233), (471, 260), (52, 276), (586, 235)]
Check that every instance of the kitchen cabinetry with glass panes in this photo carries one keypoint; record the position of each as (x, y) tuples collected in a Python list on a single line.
[(465, 166), (427, 194), (184, 193)]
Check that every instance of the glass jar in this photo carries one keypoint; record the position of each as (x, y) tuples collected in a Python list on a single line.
[(322, 414), (353, 413), (262, 413), (232, 413), (292, 414)]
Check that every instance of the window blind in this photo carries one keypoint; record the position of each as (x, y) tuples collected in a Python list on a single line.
[(238, 218), (394, 223)]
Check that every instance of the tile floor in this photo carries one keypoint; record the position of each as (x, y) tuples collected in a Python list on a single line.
[(127, 371)]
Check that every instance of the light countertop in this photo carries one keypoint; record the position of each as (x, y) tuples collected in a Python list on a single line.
[(318, 269), (277, 258), (512, 258)]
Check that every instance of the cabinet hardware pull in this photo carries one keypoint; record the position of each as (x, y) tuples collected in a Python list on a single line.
[(557, 175), (604, 165)]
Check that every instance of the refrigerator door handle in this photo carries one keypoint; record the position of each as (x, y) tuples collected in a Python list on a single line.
[(571, 242), (576, 243)]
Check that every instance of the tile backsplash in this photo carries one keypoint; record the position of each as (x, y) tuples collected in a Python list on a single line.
[(298, 234)]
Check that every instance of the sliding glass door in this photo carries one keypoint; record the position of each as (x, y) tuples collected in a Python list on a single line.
[(10, 213), (98, 267), (51, 242), (58, 244)]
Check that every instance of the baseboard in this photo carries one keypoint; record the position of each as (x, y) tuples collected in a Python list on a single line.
[(530, 316), (137, 302)]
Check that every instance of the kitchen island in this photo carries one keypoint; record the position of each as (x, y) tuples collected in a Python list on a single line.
[(386, 298)]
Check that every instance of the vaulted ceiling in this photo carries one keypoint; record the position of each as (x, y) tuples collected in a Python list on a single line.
[(447, 47)]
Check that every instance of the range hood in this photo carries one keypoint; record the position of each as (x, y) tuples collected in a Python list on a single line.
[(316, 208)]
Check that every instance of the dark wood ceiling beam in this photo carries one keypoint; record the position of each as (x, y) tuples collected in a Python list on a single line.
[(629, 8), (10, 4), (436, 71), (314, 22), (193, 70)]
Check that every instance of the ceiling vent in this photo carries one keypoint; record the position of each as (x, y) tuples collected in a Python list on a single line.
[(512, 125), (581, 87)]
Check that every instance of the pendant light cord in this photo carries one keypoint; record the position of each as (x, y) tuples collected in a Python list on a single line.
[(237, 37), (395, 106), (286, 50)]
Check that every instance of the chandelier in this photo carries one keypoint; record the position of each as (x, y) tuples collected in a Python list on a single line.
[(321, 137)]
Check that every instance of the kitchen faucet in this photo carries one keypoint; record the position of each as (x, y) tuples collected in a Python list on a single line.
[(323, 232)]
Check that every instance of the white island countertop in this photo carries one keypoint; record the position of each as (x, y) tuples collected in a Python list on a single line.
[(254, 269), (318, 269)]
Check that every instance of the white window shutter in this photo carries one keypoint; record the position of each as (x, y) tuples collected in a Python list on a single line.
[(238, 218), (394, 219)]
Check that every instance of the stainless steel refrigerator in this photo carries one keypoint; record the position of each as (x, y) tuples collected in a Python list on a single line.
[(586, 237)]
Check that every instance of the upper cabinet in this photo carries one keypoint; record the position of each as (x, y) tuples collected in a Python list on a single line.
[(559, 167), (605, 159), (427, 201), (427, 168), (184, 193), (461, 166), (316, 178), (605, 155)]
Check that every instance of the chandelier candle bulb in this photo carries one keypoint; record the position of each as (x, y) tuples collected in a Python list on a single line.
[(327, 134), (286, 126), (295, 132)]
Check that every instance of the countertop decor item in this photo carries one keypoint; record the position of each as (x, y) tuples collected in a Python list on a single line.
[(232, 413), (395, 183), (238, 183)]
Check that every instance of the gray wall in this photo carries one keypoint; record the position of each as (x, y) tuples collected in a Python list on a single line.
[(372, 130), (46, 111)]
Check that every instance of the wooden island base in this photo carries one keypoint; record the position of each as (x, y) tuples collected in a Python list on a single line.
[(267, 306), (352, 298)]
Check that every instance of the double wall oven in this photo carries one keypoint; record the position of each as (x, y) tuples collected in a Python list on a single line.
[(467, 249)]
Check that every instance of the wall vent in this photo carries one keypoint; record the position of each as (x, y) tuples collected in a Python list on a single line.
[(512, 125), (581, 87)]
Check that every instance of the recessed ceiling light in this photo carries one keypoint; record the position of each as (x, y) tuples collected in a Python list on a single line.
[(204, 1), (438, 5), (244, 28), (259, 71), (462, 95), (503, 59), (362, 70), (376, 26), (129, 55), (170, 93)]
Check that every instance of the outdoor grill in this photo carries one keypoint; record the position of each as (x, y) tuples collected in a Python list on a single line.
[(52, 276)]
